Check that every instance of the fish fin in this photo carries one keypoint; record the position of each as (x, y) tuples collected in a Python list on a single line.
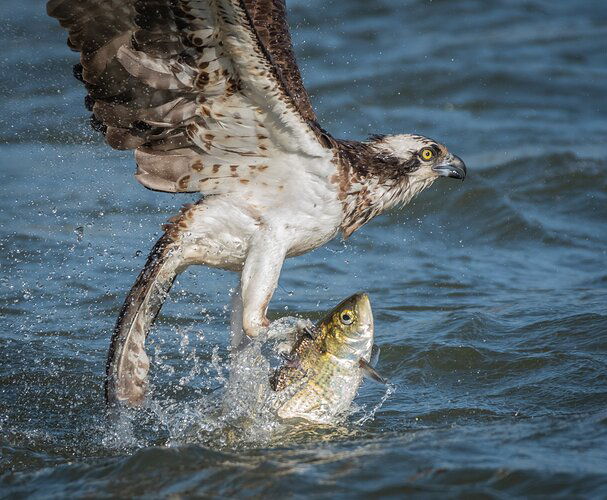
[(375, 350), (310, 332), (291, 360), (370, 372), (305, 329)]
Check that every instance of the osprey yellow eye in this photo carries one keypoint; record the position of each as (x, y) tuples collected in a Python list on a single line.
[(346, 318), (427, 154)]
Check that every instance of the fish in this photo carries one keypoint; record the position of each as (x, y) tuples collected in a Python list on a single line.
[(321, 374)]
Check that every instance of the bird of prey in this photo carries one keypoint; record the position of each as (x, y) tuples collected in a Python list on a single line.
[(209, 95)]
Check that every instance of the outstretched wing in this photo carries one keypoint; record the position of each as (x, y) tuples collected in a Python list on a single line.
[(206, 91)]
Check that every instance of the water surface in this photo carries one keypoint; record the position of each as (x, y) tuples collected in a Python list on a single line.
[(489, 296)]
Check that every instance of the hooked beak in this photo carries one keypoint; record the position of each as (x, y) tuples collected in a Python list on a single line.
[(453, 166)]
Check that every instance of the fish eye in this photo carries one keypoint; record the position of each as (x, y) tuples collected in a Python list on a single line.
[(346, 318), (426, 154)]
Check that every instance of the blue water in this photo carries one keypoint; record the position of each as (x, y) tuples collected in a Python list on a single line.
[(490, 297)]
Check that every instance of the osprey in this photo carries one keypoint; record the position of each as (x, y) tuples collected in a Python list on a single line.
[(209, 95)]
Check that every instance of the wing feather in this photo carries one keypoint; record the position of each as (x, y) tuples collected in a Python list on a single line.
[(269, 19), (195, 86)]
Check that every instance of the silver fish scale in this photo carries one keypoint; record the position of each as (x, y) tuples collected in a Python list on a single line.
[(321, 395)]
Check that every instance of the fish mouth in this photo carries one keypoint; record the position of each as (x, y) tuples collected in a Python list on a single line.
[(453, 166), (365, 314), (362, 304)]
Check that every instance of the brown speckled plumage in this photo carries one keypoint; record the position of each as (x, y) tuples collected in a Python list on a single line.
[(160, 78), (269, 18)]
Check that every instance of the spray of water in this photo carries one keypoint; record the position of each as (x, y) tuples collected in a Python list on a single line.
[(229, 402)]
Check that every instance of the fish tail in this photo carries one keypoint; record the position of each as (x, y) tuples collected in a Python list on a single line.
[(127, 362)]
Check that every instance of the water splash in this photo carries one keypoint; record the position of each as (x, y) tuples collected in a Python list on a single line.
[(370, 414), (230, 405), (120, 433)]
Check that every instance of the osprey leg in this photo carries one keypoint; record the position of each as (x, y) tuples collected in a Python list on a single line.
[(127, 363), (259, 278)]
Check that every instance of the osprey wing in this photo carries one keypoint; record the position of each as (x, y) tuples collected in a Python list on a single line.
[(207, 92)]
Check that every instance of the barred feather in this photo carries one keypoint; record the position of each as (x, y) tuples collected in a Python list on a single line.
[(191, 84)]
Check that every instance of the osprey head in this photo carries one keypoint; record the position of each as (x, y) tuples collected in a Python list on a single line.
[(420, 158), (389, 170)]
